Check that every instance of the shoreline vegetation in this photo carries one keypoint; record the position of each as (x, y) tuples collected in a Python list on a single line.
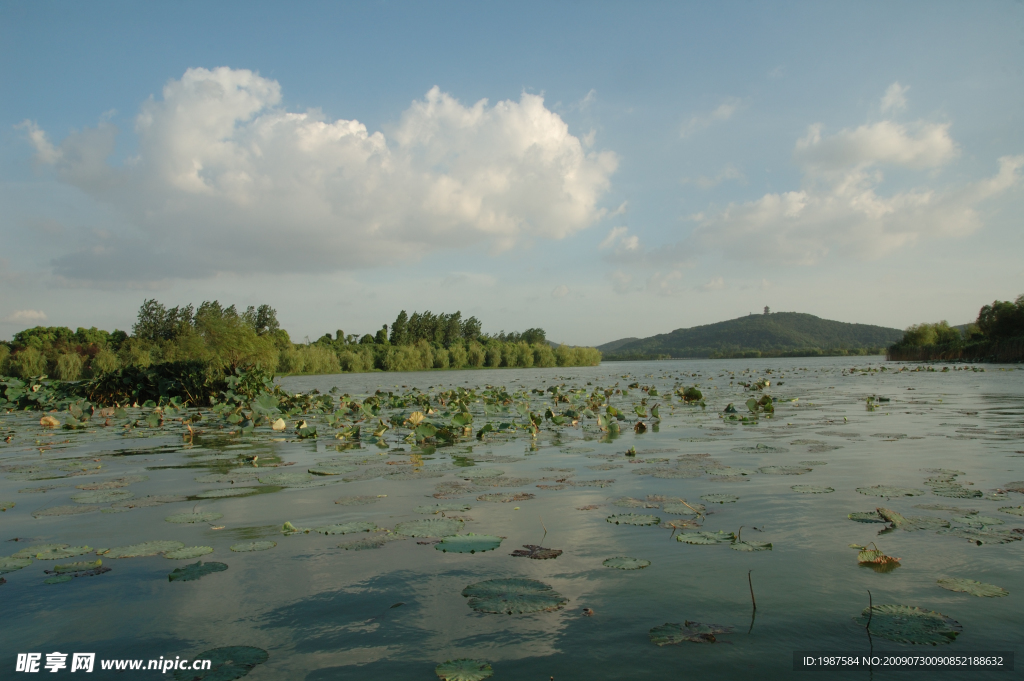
[(996, 336)]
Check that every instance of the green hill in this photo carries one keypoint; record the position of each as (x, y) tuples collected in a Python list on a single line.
[(763, 335)]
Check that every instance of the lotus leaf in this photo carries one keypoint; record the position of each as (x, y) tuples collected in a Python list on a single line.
[(783, 470), (474, 473), (630, 502), (761, 449), (430, 527), (79, 566), (633, 519), (683, 509), (626, 563), (1013, 510), (812, 463), (332, 469), (31, 551), (188, 552), (591, 483), (983, 535), (536, 552), (910, 624), (463, 669), (505, 497), (153, 500), (750, 546), (361, 500), (149, 548), (812, 489), (969, 586), (184, 518), (703, 537), (372, 542), (889, 491), (719, 498), (246, 547), (346, 528), (292, 479), (946, 507), (227, 664), (195, 571), (469, 543), (912, 523), (866, 517), (955, 491), (64, 510), (62, 553), (513, 596), (977, 521), (12, 563), (122, 481), (672, 633), (227, 492), (58, 579)]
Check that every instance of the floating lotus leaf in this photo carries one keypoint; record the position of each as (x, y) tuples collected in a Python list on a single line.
[(12, 563), (812, 463), (102, 496), (866, 517), (62, 553), (346, 528), (1013, 510), (64, 510), (58, 579), (536, 552), (469, 543), (633, 519), (783, 470), (430, 527), (750, 546), (626, 563), (442, 508), (890, 491), (955, 491), (703, 537), (463, 669), (329, 469), (474, 473), (910, 624), (977, 521), (911, 523), (983, 535), (680, 524), (362, 500), (195, 571), (373, 542), (146, 502), (671, 473), (946, 507), (184, 518), (683, 509), (719, 498), (420, 474), (79, 566), (969, 586), (505, 497), (31, 551), (513, 596), (227, 492), (630, 502), (1016, 486), (812, 489), (188, 552), (246, 547), (292, 479), (761, 449), (122, 481), (672, 633), (227, 664), (149, 548)]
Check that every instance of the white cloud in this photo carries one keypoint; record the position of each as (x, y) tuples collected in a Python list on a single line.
[(627, 243), (612, 237), (716, 284), (560, 291), (225, 180), (26, 317), (895, 98), (884, 142), (723, 112), (729, 172)]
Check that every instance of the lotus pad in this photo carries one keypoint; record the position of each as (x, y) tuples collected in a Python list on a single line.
[(362, 500), (536, 552), (911, 523), (79, 566), (188, 552), (194, 571), (245, 547), (505, 497), (633, 519), (696, 632), (750, 546), (149, 548), (206, 517), (346, 528), (720, 537), (474, 473), (442, 508), (327, 469), (152, 500), (463, 669), (969, 586), (64, 510), (294, 479), (373, 542), (982, 535), (513, 596), (4, 505), (889, 491), (910, 624), (430, 527), (683, 509), (812, 489), (783, 470), (1013, 510), (31, 551), (122, 481), (12, 563), (866, 517), (977, 521), (105, 496), (720, 498), (62, 553), (626, 563), (227, 664), (227, 492), (469, 543)]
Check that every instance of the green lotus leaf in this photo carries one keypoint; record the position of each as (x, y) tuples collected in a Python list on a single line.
[(672, 633), (946, 507), (720, 498), (761, 449), (683, 509), (866, 517), (361, 500), (633, 519), (977, 521), (64, 510), (783, 470), (463, 669), (513, 596), (630, 502), (31, 551), (703, 537), (911, 523), (416, 474), (12, 563), (149, 548), (227, 664), (474, 473), (910, 624), (79, 566), (4, 505), (626, 563), (813, 463), (102, 496), (293, 479), (61, 553), (195, 571), (429, 527), (188, 552), (346, 528), (469, 543), (982, 535), (122, 481), (969, 586), (812, 489), (1013, 510), (148, 501), (227, 492), (505, 497), (750, 546), (245, 547), (442, 508), (890, 491), (185, 518), (372, 542), (536, 552), (329, 469)]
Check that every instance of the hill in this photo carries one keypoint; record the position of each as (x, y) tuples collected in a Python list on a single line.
[(769, 335)]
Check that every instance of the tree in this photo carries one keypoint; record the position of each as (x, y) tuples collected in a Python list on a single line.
[(382, 336), (262, 319), (400, 329), (156, 322), (1002, 319)]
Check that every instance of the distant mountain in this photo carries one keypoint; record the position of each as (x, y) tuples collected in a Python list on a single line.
[(774, 334)]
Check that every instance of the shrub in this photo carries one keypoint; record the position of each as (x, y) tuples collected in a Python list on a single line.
[(27, 362), (68, 366), (476, 355), (103, 362), (440, 358)]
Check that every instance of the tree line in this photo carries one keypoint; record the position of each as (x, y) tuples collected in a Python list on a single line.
[(997, 332)]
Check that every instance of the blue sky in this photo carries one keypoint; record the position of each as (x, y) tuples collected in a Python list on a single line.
[(635, 168)]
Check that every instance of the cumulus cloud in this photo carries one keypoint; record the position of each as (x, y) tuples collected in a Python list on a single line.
[(885, 142), (226, 180), (623, 241), (26, 317), (699, 122), (895, 98)]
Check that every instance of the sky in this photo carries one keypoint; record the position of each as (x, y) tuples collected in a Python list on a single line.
[(597, 169)]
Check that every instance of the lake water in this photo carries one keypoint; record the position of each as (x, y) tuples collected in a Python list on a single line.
[(324, 612)]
